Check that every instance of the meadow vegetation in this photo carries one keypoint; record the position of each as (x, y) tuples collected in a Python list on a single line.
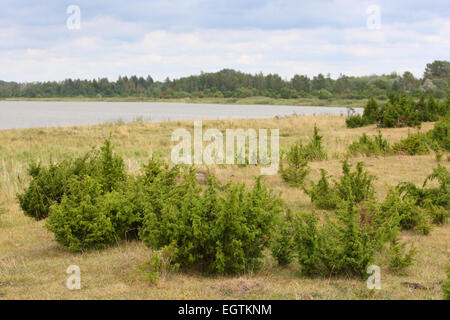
[(105, 197)]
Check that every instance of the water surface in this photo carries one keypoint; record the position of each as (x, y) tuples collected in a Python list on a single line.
[(31, 114)]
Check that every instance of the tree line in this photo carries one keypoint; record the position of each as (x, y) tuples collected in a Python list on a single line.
[(229, 83)]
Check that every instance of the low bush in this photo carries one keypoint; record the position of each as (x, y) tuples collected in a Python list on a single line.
[(399, 111), (298, 156), (426, 205), (360, 240), (446, 286), (221, 229), (96, 211), (428, 111), (437, 214), (46, 187), (316, 248), (353, 186), (356, 121), (111, 173), (344, 246), (297, 166), (414, 144), (322, 195), (160, 264), (48, 184), (314, 150), (438, 196), (410, 215), (418, 207), (367, 146), (356, 186), (79, 222), (371, 111), (282, 242), (89, 218), (399, 257), (441, 133)]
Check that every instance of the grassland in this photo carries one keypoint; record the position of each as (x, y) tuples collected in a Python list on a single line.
[(33, 266), (333, 102)]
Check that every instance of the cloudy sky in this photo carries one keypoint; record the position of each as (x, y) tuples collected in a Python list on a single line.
[(182, 37)]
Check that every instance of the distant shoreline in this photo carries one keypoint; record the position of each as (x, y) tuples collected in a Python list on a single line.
[(354, 103)]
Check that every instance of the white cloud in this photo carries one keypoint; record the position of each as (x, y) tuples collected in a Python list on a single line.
[(101, 49)]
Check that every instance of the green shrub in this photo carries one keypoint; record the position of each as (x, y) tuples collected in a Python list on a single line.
[(390, 117), (126, 209), (414, 144), (355, 186), (221, 229), (316, 248), (314, 149), (399, 111), (359, 241), (49, 184), (371, 114), (160, 264), (425, 205), (437, 214), (430, 111), (89, 218), (79, 222), (282, 242), (323, 196), (297, 166), (399, 257), (371, 111), (368, 146), (345, 246), (444, 108), (441, 133), (356, 121), (112, 168), (46, 187), (446, 286), (410, 215), (438, 196), (159, 172), (99, 204)]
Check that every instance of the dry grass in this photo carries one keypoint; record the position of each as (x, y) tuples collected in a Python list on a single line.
[(32, 265)]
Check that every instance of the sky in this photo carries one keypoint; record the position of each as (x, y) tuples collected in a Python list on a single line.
[(48, 40)]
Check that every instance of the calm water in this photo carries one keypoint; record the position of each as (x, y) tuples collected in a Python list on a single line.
[(29, 114)]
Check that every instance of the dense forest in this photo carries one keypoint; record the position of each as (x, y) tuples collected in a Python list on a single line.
[(229, 83)]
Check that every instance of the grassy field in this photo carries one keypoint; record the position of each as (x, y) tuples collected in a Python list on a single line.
[(251, 100), (33, 266)]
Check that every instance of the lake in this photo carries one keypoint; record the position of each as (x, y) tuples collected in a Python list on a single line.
[(32, 114)]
